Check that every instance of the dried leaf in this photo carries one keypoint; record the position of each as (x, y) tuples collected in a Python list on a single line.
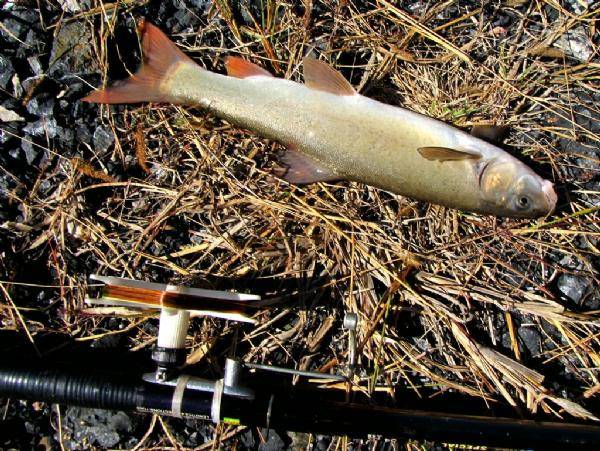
[(84, 167), (140, 148)]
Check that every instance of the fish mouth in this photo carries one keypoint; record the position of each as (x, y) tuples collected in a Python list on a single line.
[(551, 197)]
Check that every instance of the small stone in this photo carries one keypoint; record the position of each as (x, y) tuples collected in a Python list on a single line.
[(74, 6), (200, 5), (576, 43), (30, 152), (39, 107), (33, 43), (46, 126), (29, 84), (273, 441), (7, 132), (66, 136), (530, 338), (574, 287), (34, 63), (83, 133), (579, 6), (18, 23), (9, 116), (6, 71), (71, 52), (17, 88), (103, 139), (95, 427)]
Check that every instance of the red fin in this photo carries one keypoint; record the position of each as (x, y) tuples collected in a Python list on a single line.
[(321, 76), (240, 68), (160, 55), (302, 169)]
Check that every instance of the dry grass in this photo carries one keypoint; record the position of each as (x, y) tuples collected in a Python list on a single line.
[(436, 289)]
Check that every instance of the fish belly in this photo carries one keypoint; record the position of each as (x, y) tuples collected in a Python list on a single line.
[(358, 138)]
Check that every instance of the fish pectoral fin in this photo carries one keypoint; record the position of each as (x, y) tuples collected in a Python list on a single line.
[(240, 68), (446, 154), (322, 77), (494, 134), (302, 169)]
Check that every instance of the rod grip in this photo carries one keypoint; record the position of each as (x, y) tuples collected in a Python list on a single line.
[(57, 386)]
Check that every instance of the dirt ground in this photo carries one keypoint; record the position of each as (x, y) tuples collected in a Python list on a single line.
[(504, 312)]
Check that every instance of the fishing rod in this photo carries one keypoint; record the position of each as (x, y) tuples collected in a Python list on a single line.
[(257, 395)]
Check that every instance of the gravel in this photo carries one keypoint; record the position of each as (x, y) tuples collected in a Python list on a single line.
[(83, 427)]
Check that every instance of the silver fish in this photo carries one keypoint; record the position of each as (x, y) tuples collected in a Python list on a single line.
[(333, 133)]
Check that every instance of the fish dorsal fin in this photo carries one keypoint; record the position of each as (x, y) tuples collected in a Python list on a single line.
[(302, 169), (494, 134), (446, 154), (321, 76), (240, 68)]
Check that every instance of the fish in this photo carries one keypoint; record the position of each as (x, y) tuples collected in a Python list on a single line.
[(332, 133)]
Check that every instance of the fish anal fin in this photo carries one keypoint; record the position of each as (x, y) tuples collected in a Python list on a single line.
[(160, 57), (446, 154), (302, 169), (240, 68), (494, 134), (321, 76)]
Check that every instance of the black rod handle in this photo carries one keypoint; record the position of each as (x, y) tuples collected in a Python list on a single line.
[(82, 389)]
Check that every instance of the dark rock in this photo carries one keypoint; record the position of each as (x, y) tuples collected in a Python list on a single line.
[(103, 138), (30, 151), (200, 5), (71, 52), (574, 287), (84, 427), (35, 65), (65, 136), (40, 107), (6, 133), (46, 126), (83, 133), (273, 441), (19, 24), (33, 44), (530, 339), (6, 72), (323, 442)]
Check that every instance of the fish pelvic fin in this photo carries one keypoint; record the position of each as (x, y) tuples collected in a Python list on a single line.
[(160, 57), (322, 77), (302, 169), (240, 68)]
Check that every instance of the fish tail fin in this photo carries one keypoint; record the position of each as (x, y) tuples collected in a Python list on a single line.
[(160, 57)]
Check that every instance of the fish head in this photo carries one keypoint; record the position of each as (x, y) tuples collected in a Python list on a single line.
[(510, 188)]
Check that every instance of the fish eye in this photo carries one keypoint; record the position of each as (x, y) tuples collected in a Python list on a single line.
[(523, 202)]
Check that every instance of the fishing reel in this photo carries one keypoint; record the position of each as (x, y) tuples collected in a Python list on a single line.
[(176, 305), (257, 395)]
